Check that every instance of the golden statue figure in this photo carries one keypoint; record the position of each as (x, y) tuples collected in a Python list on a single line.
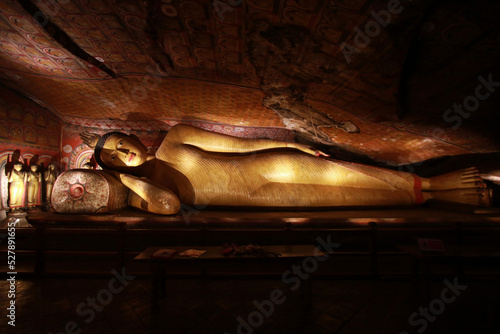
[(34, 182), (17, 180), (199, 167), (50, 176)]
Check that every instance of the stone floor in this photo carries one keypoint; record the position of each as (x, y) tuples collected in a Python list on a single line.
[(229, 306)]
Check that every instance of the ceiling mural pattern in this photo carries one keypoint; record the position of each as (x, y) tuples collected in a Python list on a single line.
[(126, 99), (334, 71), (26, 47), (113, 32), (407, 144)]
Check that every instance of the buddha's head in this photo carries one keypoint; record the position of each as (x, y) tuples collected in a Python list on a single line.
[(34, 168), (115, 150)]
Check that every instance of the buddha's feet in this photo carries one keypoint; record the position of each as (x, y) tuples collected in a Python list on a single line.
[(460, 179), (479, 196)]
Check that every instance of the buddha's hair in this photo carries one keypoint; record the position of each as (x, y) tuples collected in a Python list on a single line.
[(99, 146)]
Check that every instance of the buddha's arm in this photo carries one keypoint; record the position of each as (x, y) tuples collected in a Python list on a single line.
[(216, 142), (150, 197)]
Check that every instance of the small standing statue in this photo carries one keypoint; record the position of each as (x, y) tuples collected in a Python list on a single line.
[(17, 180), (34, 182), (50, 178)]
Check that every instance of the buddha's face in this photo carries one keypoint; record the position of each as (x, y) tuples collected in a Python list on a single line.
[(122, 150), (34, 168), (18, 167)]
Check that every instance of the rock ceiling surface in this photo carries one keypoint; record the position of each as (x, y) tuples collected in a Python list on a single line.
[(374, 77)]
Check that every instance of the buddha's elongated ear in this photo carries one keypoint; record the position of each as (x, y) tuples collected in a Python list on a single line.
[(89, 138)]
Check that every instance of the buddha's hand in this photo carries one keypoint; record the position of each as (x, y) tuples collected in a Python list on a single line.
[(89, 138), (149, 196), (307, 149)]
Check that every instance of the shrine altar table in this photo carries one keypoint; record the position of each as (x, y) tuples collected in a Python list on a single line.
[(288, 255)]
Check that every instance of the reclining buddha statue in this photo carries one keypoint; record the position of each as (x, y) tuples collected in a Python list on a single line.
[(198, 167)]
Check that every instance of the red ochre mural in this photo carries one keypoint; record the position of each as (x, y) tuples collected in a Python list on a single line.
[(26, 127), (23, 123)]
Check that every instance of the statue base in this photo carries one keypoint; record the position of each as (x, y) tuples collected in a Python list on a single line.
[(19, 215)]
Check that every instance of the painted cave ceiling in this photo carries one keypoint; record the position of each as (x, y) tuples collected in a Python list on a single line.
[(398, 81)]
